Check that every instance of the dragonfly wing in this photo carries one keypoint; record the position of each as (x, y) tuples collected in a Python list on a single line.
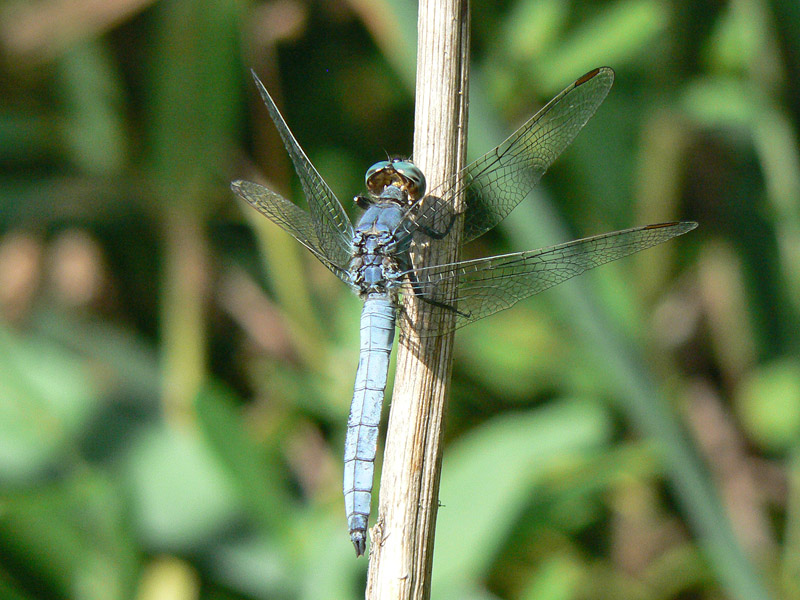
[(294, 220), (498, 181), (488, 285), (333, 229)]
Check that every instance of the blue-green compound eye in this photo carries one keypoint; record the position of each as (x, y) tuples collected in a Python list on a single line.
[(402, 173)]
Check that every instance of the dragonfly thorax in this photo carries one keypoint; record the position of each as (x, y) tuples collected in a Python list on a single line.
[(402, 174), (380, 245)]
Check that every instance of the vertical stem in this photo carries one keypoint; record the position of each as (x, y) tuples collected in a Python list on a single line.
[(401, 552), (790, 563), (184, 294)]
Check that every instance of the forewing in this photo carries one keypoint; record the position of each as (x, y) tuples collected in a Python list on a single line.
[(488, 285), (498, 181), (333, 230), (294, 220)]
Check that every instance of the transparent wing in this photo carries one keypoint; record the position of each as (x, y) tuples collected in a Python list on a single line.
[(498, 181), (332, 229), (489, 285), (294, 220)]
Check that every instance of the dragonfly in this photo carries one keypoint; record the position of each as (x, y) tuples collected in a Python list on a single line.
[(375, 258)]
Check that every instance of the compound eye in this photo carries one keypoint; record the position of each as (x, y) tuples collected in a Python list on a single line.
[(400, 173), (379, 176), (412, 176)]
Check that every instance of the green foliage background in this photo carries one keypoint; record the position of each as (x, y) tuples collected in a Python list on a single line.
[(175, 372)]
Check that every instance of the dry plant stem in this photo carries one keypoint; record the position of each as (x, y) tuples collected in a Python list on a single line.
[(401, 549)]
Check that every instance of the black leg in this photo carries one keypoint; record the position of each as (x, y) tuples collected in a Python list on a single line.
[(416, 287), (438, 235)]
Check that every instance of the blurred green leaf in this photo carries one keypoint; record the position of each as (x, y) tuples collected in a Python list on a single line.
[(181, 495), (534, 26), (768, 402), (720, 103), (47, 397), (93, 123), (70, 540), (258, 481), (559, 578), (616, 35), (255, 566), (536, 362), (490, 475)]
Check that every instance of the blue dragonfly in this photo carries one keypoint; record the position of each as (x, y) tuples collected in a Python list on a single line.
[(375, 258)]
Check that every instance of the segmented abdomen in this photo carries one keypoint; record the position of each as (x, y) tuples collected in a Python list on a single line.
[(377, 335)]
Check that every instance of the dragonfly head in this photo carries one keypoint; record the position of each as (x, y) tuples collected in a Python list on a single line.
[(397, 172)]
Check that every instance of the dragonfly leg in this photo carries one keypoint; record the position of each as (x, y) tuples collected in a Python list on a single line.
[(433, 233), (362, 201), (416, 287), (443, 305)]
